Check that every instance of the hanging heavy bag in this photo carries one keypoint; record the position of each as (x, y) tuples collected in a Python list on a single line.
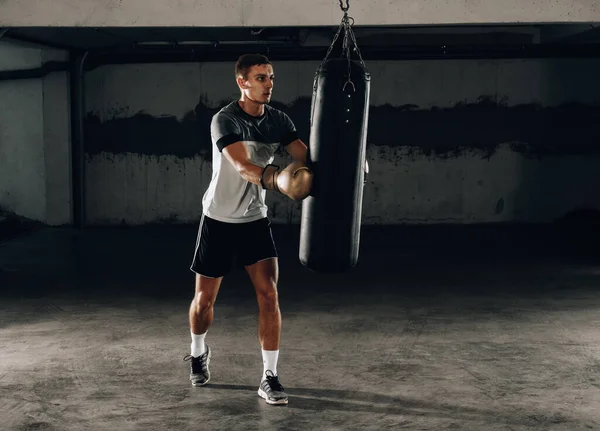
[(331, 215)]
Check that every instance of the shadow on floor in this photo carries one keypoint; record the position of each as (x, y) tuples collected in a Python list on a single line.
[(336, 400)]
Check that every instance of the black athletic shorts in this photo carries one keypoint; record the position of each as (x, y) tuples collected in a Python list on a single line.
[(221, 245)]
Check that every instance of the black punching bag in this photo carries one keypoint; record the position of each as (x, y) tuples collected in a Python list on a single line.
[(331, 215)]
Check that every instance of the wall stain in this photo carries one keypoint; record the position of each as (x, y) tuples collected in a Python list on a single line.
[(166, 135), (500, 206), (154, 136), (530, 129)]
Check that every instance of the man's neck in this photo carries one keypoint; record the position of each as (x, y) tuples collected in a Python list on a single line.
[(252, 108)]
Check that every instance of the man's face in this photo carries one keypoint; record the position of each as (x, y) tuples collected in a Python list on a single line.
[(259, 85)]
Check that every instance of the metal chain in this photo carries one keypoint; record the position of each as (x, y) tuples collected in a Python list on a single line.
[(337, 34), (344, 24), (356, 47), (346, 49)]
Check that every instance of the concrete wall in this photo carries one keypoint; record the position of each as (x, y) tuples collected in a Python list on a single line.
[(290, 12), (466, 141), (34, 137)]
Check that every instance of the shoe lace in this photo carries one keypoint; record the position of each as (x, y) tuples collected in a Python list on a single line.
[(198, 365), (273, 381)]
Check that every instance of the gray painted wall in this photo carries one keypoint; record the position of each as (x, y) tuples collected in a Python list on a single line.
[(464, 141), (291, 12), (34, 137)]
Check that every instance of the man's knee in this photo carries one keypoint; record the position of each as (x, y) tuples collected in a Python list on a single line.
[(267, 296), (203, 301), (206, 293)]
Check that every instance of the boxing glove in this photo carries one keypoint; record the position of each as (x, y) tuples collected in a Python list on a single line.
[(295, 181)]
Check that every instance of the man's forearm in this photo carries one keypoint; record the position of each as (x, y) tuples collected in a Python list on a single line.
[(303, 158), (251, 173)]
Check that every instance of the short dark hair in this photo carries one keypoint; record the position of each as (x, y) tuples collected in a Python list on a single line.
[(246, 61)]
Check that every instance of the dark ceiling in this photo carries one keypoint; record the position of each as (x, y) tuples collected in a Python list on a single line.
[(312, 42)]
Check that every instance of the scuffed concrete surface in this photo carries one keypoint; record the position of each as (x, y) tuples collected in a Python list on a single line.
[(456, 141), (34, 136), (145, 134), (404, 186), (471, 163), (531, 129), (501, 333)]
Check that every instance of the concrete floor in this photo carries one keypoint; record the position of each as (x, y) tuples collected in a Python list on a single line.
[(437, 328)]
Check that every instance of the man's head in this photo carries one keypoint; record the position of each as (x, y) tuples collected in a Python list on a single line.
[(254, 76)]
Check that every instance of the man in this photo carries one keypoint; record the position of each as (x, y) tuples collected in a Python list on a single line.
[(234, 224)]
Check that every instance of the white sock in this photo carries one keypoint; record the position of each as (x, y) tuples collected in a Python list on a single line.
[(198, 347), (269, 361)]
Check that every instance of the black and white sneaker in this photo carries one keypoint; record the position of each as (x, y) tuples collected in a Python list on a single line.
[(271, 390), (199, 373)]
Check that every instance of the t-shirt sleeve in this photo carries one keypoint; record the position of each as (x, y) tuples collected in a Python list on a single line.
[(289, 132), (224, 131)]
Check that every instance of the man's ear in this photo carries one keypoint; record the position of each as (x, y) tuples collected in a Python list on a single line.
[(241, 82)]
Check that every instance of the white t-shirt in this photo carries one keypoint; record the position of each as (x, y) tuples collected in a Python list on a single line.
[(229, 197)]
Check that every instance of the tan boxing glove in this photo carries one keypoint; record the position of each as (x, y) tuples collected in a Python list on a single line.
[(295, 181)]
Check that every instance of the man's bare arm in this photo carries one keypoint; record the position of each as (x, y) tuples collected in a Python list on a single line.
[(237, 154), (297, 149)]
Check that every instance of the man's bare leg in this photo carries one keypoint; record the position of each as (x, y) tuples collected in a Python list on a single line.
[(264, 276), (202, 307), (201, 315)]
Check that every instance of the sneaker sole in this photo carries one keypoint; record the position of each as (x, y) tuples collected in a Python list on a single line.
[(194, 384), (264, 396)]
